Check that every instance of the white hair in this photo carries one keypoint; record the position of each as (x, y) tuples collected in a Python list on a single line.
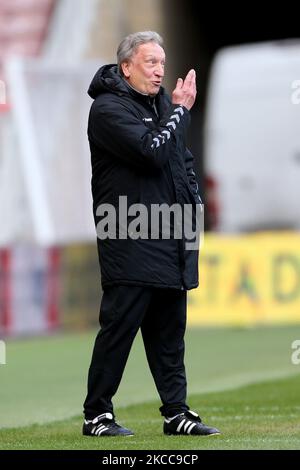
[(128, 45)]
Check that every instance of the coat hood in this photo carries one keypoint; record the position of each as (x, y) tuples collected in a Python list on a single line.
[(107, 78)]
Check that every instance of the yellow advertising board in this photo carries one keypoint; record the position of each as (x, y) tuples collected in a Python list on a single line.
[(247, 280)]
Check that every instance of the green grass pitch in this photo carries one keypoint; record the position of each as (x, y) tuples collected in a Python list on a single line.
[(240, 380)]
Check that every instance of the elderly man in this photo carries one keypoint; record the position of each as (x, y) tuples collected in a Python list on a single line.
[(138, 152)]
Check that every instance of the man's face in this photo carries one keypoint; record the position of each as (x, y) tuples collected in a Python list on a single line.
[(145, 70)]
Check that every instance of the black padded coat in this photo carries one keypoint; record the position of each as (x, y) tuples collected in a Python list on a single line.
[(138, 150)]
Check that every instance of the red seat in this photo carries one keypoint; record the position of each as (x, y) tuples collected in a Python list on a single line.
[(23, 27), (15, 7)]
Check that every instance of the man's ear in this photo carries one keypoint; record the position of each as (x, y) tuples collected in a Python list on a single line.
[(125, 69)]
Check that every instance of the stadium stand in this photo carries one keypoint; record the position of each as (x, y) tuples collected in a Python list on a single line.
[(23, 27)]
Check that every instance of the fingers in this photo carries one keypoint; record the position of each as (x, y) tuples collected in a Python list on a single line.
[(179, 83), (185, 91), (190, 79)]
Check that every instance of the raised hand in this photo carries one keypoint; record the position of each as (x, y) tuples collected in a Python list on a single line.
[(185, 91)]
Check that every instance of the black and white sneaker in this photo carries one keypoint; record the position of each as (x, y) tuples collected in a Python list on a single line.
[(104, 425), (188, 423)]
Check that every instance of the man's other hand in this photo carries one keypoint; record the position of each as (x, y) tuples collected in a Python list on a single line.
[(185, 91)]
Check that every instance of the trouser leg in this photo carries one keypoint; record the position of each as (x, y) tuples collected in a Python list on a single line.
[(163, 330), (121, 313)]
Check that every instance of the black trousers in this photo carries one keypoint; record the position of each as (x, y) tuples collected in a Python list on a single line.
[(161, 315)]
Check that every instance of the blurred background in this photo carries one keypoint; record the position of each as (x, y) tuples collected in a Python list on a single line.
[(246, 142), (244, 136)]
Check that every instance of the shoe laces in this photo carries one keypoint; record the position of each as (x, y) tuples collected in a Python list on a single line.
[(107, 419), (104, 417), (193, 416), (189, 414)]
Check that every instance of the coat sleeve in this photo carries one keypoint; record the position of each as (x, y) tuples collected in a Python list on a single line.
[(189, 159), (115, 128)]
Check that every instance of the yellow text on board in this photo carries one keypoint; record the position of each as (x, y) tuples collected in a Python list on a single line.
[(247, 280)]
